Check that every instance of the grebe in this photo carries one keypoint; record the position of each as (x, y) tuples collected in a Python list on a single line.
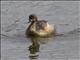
[(39, 27)]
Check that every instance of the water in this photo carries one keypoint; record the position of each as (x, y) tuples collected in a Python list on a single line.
[(15, 45)]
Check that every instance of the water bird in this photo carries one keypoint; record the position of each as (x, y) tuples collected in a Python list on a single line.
[(39, 27)]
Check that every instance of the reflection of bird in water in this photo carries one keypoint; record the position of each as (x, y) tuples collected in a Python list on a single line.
[(39, 28), (34, 49)]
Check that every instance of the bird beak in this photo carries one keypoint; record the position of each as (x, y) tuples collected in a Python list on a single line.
[(28, 21)]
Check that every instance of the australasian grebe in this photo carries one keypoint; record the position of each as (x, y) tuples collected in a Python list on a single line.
[(39, 28)]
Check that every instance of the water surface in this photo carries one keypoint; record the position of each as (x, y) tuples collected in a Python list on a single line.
[(15, 45)]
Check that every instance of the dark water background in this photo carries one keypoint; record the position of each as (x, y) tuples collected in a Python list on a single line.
[(64, 15)]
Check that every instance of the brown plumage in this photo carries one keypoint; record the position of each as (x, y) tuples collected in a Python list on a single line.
[(39, 27)]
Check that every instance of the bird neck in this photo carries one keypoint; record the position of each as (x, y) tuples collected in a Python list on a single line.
[(31, 24)]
